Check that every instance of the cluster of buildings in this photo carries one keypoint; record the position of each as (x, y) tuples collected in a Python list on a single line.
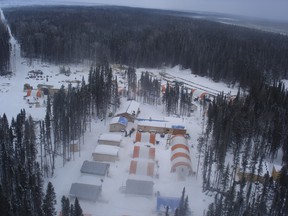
[(106, 151), (143, 168)]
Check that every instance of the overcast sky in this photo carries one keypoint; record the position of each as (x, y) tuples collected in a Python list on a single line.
[(270, 9)]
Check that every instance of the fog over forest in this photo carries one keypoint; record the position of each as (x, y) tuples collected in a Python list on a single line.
[(270, 10)]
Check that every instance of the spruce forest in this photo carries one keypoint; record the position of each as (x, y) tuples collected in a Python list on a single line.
[(5, 50), (251, 128), (139, 37)]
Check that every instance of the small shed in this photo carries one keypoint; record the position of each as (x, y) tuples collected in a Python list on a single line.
[(129, 110), (110, 139), (85, 191), (106, 153), (118, 124), (142, 167), (139, 187), (45, 88), (95, 168), (27, 86), (74, 146)]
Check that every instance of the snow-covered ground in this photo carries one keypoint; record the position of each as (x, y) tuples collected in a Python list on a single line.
[(113, 202)]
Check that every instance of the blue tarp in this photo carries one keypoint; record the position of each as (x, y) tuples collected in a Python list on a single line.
[(178, 127), (123, 120), (172, 202), (154, 120)]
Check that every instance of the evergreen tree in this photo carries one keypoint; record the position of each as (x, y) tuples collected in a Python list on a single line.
[(72, 210), (176, 212), (4, 204), (5, 50), (77, 208), (132, 83), (183, 209), (167, 211), (65, 206), (49, 201)]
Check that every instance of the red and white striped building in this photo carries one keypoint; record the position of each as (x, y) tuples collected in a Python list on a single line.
[(180, 155)]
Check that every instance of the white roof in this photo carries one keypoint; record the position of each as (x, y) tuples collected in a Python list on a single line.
[(111, 137), (181, 159), (140, 177), (115, 120), (143, 144), (142, 166), (129, 107), (277, 167), (145, 137), (107, 150), (144, 152), (198, 92), (180, 150), (159, 124), (133, 107), (119, 119), (178, 140)]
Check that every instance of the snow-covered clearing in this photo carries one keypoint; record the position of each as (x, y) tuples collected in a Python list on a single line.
[(112, 201)]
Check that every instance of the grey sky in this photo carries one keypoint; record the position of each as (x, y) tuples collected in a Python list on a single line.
[(270, 9)]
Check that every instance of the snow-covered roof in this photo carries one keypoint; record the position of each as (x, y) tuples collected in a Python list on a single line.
[(133, 107), (180, 162), (34, 93), (107, 150), (198, 93), (144, 152), (120, 119), (145, 137), (139, 187), (277, 167), (178, 140), (129, 107), (180, 150), (95, 168), (161, 124), (110, 137), (181, 159), (142, 167), (85, 191)]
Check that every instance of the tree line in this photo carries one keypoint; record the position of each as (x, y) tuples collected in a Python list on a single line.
[(5, 49), (68, 115), (149, 38), (149, 88), (21, 179), (252, 130)]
